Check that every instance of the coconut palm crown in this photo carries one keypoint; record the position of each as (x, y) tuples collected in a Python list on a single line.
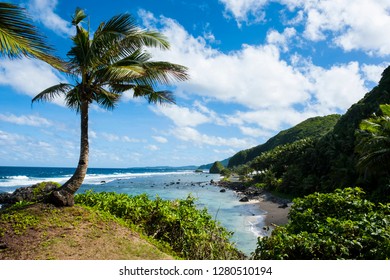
[(18, 37), (105, 65)]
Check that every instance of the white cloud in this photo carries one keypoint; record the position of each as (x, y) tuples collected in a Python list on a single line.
[(152, 148), (29, 76), (7, 138), (29, 120), (337, 88), (43, 11), (190, 134), (373, 73), (281, 40), (254, 132), (275, 92), (160, 139), (268, 120), (114, 138), (248, 11), (254, 76), (181, 116), (350, 24), (127, 139)]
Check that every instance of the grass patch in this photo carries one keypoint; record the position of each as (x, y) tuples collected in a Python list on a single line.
[(41, 231)]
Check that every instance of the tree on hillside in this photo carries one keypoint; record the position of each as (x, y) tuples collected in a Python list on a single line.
[(216, 168), (18, 37), (104, 65), (374, 144)]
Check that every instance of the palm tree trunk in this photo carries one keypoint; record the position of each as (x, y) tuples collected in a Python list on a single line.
[(65, 195)]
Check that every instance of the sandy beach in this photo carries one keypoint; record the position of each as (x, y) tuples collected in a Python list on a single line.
[(275, 215)]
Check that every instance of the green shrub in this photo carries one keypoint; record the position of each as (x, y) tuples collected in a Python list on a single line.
[(338, 225), (190, 232)]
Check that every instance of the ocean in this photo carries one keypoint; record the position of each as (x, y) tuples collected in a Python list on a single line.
[(246, 220)]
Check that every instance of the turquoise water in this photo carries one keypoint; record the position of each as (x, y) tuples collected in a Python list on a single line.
[(244, 219)]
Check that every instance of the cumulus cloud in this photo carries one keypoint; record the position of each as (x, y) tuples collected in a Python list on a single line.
[(29, 76), (258, 78), (349, 24), (192, 135), (43, 11), (181, 116), (282, 40), (373, 73), (254, 76), (338, 87), (247, 11)]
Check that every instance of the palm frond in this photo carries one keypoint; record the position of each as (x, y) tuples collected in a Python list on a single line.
[(79, 54), (52, 92), (18, 37), (106, 99), (79, 16), (153, 96), (144, 38), (119, 88), (73, 98), (126, 69), (162, 73)]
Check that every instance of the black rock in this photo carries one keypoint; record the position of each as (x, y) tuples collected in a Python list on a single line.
[(34, 193), (284, 205), (222, 190), (4, 197), (244, 199)]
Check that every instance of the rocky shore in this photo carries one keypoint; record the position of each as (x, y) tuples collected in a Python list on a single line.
[(277, 208)]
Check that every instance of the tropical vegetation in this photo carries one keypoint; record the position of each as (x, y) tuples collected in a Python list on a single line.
[(319, 161), (18, 37), (338, 225), (217, 168), (191, 233), (104, 65)]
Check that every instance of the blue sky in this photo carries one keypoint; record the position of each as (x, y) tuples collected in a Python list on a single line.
[(256, 67)]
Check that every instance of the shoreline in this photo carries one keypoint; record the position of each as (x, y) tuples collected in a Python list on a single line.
[(276, 208)]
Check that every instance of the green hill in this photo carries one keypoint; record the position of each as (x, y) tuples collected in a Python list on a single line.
[(333, 160), (328, 162), (310, 128), (224, 162)]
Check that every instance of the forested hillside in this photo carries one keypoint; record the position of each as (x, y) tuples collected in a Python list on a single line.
[(330, 162), (313, 128)]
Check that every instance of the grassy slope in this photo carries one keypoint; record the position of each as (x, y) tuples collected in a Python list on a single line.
[(44, 232)]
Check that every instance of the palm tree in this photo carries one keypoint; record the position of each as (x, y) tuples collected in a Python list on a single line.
[(20, 38), (105, 65), (374, 144)]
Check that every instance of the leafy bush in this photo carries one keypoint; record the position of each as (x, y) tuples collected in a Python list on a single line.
[(338, 225), (190, 232)]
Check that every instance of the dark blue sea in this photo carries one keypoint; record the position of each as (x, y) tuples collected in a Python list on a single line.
[(246, 220)]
